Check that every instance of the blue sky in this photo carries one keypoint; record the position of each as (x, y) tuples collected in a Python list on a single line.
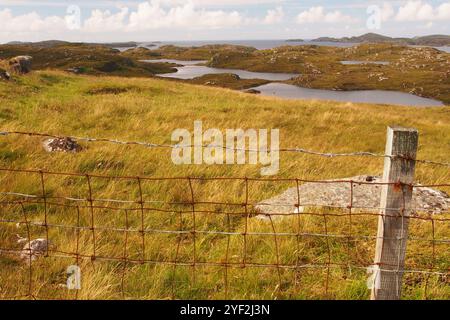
[(142, 20)]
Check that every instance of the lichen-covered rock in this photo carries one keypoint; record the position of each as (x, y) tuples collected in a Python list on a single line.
[(253, 91), (364, 195), (75, 70), (20, 64), (34, 249), (61, 145), (4, 75)]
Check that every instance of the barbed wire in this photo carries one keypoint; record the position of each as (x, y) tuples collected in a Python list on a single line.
[(40, 211), (212, 146)]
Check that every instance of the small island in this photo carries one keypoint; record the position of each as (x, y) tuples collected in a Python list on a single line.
[(431, 40)]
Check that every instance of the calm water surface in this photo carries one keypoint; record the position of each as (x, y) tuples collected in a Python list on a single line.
[(190, 70), (354, 62), (182, 62), (258, 44), (364, 96)]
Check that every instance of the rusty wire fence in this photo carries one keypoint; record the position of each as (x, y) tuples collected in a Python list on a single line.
[(167, 237)]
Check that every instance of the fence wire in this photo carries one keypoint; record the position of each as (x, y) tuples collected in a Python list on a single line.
[(198, 233), (177, 146)]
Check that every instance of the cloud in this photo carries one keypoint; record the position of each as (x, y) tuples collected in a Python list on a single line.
[(443, 11), (105, 21), (318, 15), (29, 22), (274, 16), (418, 10), (387, 11), (152, 15), (415, 10)]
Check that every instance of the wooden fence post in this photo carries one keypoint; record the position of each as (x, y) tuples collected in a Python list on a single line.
[(395, 209)]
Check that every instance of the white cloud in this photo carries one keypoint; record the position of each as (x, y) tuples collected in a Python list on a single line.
[(415, 10), (418, 10), (152, 15), (318, 15), (387, 11), (443, 11), (30, 22), (274, 16), (104, 21)]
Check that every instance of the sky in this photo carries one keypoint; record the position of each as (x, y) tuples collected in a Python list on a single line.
[(176, 20)]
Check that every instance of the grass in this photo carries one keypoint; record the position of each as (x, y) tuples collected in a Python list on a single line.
[(421, 71), (187, 53), (227, 80), (139, 109), (89, 59)]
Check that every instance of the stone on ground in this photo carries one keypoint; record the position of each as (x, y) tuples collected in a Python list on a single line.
[(61, 145), (34, 249), (20, 64), (337, 194)]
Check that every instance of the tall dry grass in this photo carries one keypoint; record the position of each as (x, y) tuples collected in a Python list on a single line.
[(149, 110)]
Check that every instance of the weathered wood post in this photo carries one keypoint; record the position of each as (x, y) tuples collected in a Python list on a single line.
[(399, 168)]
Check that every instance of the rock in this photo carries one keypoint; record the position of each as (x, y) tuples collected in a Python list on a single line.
[(76, 70), (4, 75), (21, 64), (35, 249), (235, 76), (61, 145), (337, 194), (253, 91)]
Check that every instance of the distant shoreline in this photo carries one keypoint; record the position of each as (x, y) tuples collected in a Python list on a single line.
[(431, 40)]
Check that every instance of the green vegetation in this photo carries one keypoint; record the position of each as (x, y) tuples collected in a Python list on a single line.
[(88, 59), (432, 40), (228, 80), (422, 71), (188, 53), (137, 109)]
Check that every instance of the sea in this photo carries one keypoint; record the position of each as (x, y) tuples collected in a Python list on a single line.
[(258, 44)]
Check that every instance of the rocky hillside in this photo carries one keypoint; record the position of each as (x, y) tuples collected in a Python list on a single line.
[(82, 58), (432, 40)]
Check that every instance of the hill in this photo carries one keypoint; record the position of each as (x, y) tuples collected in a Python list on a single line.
[(422, 71), (88, 59), (431, 40), (54, 43)]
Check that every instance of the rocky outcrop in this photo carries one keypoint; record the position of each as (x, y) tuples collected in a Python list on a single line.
[(61, 145), (20, 64), (34, 249), (253, 91), (75, 70), (366, 192), (4, 75)]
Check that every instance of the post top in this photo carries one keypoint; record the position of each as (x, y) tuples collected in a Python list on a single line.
[(399, 128)]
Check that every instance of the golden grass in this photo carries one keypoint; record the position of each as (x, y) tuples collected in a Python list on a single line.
[(149, 110)]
